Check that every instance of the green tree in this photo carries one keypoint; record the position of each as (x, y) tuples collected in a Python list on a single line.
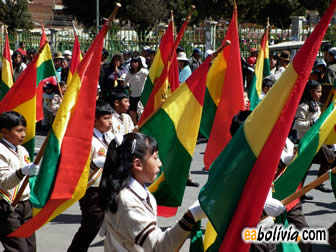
[(320, 5), (14, 13)]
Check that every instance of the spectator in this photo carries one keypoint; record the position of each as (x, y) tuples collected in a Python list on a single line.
[(31, 52), (18, 65), (183, 65), (283, 61), (195, 60)]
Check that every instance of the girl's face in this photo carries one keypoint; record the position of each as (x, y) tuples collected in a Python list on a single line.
[(150, 168), (117, 61), (273, 62), (316, 93), (135, 65), (18, 59)]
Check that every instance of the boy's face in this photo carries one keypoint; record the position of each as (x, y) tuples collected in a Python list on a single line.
[(121, 106), (103, 123), (15, 135)]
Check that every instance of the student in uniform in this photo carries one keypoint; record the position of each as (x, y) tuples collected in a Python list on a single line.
[(121, 121), (14, 166), (92, 213), (130, 209)]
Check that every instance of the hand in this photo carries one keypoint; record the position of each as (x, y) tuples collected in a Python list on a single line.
[(274, 207), (99, 161), (30, 169), (196, 211)]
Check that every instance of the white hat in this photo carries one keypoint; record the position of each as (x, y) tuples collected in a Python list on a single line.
[(143, 62), (208, 52), (67, 52), (146, 48), (182, 56)]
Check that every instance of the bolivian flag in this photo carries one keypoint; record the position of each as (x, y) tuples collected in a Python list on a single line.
[(261, 70), (75, 60), (159, 62), (175, 127), (241, 177), (7, 70), (218, 78), (22, 96), (69, 143), (227, 65), (309, 145)]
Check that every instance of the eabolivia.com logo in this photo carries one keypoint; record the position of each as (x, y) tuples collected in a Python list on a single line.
[(279, 234)]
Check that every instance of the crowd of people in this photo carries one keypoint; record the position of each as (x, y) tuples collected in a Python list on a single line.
[(123, 161)]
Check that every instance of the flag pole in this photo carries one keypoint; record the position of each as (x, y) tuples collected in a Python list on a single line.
[(227, 42), (42, 150)]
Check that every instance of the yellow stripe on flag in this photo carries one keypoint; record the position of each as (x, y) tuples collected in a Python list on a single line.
[(6, 74), (259, 72), (27, 109), (256, 133), (215, 78), (209, 236), (184, 119), (44, 55), (155, 185), (158, 67)]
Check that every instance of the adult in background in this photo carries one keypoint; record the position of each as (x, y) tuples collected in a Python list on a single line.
[(183, 65), (67, 54), (22, 50), (330, 73), (283, 61), (195, 60), (31, 52), (58, 58)]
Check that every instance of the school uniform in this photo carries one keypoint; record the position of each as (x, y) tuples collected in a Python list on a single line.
[(121, 123), (92, 213), (12, 159), (134, 226)]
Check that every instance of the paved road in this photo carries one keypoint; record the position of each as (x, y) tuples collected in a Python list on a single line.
[(57, 235)]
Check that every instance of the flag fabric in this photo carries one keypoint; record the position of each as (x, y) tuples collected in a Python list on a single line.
[(232, 96), (22, 96), (309, 145), (69, 143), (7, 70), (75, 60), (285, 246), (247, 165), (196, 238), (39, 87), (167, 82), (159, 61), (261, 70), (219, 85), (175, 127)]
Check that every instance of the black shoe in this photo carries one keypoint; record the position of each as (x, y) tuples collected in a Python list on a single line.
[(324, 188), (307, 196), (192, 183)]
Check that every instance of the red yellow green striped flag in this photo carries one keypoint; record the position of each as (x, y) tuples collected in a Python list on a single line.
[(69, 143), (175, 127), (7, 70), (224, 74), (309, 145), (75, 60), (261, 70), (22, 96), (43, 36), (219, 77), (245, 168), (160, 60), (168, 80)]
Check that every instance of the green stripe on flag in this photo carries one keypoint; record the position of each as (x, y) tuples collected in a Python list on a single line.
[(332, 177), (45, 70), (3, 89), (253, 93), (41, 185), (175, 159), (146, 91), (208, 114), (233, 174), (285, 246), (267, 68), (288, 182)]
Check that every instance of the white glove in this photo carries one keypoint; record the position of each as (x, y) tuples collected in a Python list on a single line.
[(30, 169), (99, 161), (274, 207), (196, 211)]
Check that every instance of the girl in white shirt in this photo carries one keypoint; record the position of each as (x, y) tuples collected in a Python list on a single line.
[(130, 209)]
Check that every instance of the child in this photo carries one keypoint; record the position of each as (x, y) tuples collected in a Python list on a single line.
[(57, 99), (92, 213), (14, 166), (130, 209), (48, 94), (121, 122), (135, 79), (267, 84)]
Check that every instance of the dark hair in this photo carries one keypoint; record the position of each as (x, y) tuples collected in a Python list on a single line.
[(115, 56), (117, 94), (135, 59), (21, 43), (31, 51), (118, 166), (16, 53), (102, 108), (105, 53), (307, 98), (11, 119)]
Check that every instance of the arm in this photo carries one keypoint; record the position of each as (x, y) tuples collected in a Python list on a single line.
[(9, 178), (302, 122)]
